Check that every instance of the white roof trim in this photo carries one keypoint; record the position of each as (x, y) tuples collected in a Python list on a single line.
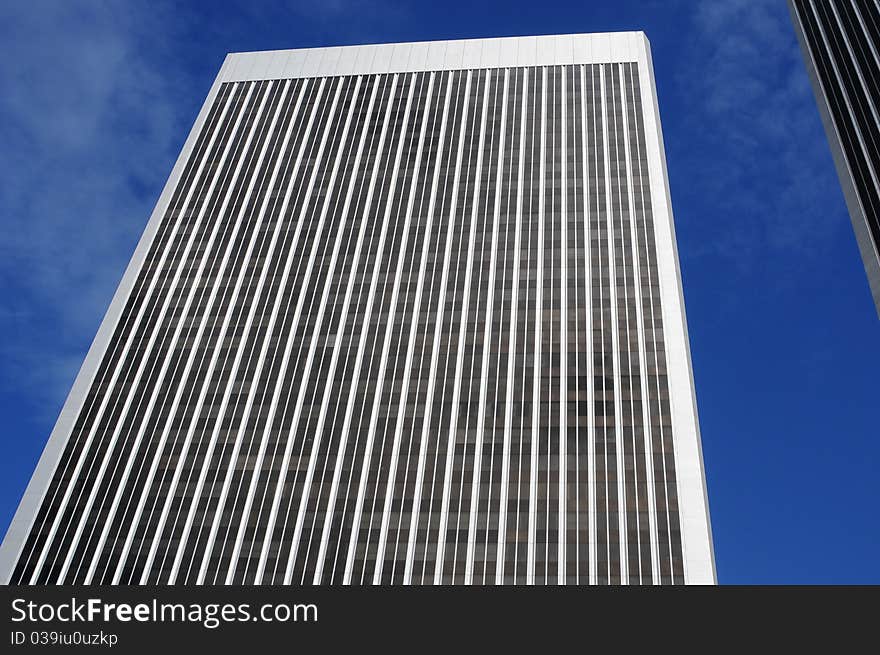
[(462, 54)]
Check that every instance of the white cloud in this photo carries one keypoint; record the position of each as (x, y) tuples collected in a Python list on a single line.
[(97, 100), (753, 138), (90, 127)]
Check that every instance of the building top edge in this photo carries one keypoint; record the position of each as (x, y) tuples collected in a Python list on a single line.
[(422, 56)]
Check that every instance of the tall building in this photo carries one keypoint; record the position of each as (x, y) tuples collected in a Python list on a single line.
[(404, 313), (840, 40)]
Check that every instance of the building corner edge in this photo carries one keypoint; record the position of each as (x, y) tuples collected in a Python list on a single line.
[(32, 498), (697, 540)]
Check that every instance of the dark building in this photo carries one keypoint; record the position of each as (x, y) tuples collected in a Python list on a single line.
[(840, 40), (407, 313)]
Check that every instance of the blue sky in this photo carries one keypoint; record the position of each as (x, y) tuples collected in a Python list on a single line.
[(98, 98)]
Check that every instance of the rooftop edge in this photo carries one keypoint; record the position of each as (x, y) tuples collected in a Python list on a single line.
[(423, 56)]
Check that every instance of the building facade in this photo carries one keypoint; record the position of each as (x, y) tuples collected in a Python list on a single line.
[(403, 314), (840, 41)]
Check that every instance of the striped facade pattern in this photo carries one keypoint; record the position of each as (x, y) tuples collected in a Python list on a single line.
[(841, 44), (393, 328)]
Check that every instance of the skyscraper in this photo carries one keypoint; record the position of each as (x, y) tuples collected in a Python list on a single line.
[(404, 313), (840, 41)]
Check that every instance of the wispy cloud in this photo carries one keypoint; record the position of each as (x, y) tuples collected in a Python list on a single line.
[(90, 126), (752, 146), (97, 99)]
